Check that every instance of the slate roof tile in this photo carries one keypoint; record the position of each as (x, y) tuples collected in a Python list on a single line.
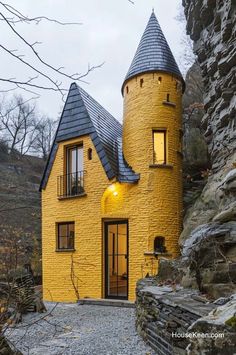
[(153, 53), (83, 115)]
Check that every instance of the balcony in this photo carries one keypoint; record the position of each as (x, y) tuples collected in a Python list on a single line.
[(70, 185)]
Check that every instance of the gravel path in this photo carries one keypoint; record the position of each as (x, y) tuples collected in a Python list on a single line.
[(79, 330)]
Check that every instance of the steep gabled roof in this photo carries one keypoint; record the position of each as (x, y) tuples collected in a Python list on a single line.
[(82, 115), (126, 173), (153, 53)]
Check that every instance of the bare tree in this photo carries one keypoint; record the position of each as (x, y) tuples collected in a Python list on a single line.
[(45, 130), (17, 121), (187, 57)]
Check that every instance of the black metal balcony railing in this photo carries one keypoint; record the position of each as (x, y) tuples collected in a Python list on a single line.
[(70, 184)]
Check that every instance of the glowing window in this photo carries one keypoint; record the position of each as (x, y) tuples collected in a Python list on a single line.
[(159, 147)]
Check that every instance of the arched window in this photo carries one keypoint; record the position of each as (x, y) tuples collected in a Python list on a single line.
[(159, 245)]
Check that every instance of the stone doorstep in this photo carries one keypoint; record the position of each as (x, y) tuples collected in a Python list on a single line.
[(106, 302)]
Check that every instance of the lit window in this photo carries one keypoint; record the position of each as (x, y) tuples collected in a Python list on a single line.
[(65, 235), (159, 147)]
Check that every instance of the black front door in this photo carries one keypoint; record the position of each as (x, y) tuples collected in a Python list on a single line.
[(116, 259)]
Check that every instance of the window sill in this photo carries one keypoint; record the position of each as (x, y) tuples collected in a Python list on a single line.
[(167, 103), (165, 166), (73, 196), (65, 250), (156, 254)]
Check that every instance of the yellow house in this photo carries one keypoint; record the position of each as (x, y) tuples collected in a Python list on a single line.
[(112, 195)]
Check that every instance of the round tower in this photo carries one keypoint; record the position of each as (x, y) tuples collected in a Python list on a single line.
[(152, 134)]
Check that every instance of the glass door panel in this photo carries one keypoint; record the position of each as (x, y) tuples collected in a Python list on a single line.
[(116, 259), (75, 170)]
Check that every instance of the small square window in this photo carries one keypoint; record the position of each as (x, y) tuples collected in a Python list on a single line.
[(65, 235)]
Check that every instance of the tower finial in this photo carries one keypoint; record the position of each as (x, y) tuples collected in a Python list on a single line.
[(153, 10)]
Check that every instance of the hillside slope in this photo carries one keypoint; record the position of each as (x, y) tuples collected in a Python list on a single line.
[(20, 211)]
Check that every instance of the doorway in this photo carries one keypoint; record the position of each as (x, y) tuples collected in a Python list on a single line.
[(116, 259)]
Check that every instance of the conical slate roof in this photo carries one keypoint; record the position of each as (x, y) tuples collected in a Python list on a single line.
[(153, 53)]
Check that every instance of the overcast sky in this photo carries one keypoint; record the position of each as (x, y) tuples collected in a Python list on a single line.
[(109, 33)]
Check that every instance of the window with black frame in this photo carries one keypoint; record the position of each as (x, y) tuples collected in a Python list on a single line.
[(75, 173), (66, 236), (159, 147)]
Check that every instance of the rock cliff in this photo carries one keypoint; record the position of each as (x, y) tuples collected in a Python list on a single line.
[(210, 222), (211, 25)]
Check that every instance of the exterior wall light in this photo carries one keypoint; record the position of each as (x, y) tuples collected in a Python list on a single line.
[(112, 188)]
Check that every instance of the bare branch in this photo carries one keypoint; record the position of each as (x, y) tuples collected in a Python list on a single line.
[(32, 67), (11, 16), (69, 76), (29, 83), (22, 18)]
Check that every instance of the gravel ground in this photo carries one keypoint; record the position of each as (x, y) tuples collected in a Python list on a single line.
[(79, 330)]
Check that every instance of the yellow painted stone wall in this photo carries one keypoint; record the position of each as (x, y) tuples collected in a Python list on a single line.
[(153, 207), (85, 212), (146, 109)]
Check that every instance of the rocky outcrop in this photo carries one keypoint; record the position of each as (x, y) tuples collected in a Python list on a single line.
[(211, 25), (182, 321), (208, 260), (219, 330)]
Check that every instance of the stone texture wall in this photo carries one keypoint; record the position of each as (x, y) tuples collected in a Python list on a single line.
[(162, 312), (166, 314), (57, 285), (211, 25), (146, 109)]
